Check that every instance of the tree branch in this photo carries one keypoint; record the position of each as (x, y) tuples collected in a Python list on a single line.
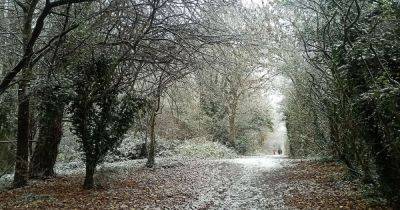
[(28, 52)]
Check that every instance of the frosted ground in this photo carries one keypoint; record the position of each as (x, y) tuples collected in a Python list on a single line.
[(206, 183)]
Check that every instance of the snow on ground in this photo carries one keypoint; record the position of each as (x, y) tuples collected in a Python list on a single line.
[(262, 162), (258, 182), (175, 183), (243, 188)]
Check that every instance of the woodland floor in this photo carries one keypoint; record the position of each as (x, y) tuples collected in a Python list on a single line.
[(243, 183)]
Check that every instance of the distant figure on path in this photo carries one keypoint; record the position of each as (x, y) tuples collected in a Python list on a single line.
[(279, 151)]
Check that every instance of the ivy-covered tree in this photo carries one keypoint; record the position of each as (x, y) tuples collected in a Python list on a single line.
[(101, 112)]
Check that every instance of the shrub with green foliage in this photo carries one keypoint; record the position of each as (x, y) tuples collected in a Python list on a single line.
[(101, 112)]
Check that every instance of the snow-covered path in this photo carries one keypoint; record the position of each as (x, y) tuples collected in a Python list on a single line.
[(263, 163), (241, 183)]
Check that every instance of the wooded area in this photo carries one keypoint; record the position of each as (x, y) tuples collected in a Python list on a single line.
[(98, 82), (345, 101)]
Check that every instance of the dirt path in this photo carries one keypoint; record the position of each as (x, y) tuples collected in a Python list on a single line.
[(243, 183)]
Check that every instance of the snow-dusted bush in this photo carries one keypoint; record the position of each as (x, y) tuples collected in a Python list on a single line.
[(204, 149), (70, 167), (131, 146), (69, 157), (192, 148), (129, 149), (5, 181), (69, 148), (167, 148)]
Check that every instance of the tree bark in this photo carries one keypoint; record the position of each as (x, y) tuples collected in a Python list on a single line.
[(46, 150), (89, 177), (32, 130), (152, 144), (21, 163), (23, 133), (143, 150), (232, 123), (3, 42)]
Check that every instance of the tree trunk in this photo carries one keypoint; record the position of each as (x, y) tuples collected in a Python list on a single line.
[(21, 164), (46, 150), (89, 177), (143, 151), (152, 144), (232, 123), (23, 133), (334, 135), (32, 129), (3, 41), (232, 130)]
